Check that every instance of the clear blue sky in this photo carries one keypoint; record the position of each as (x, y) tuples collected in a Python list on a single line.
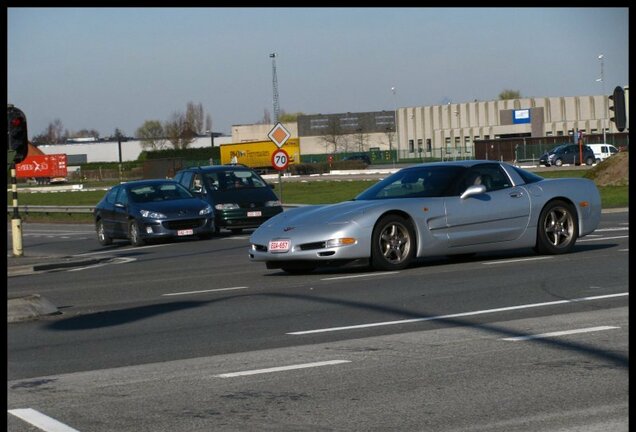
[(107, 68)]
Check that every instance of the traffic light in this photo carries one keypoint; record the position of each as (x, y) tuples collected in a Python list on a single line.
[(620, 117), (18, 141)]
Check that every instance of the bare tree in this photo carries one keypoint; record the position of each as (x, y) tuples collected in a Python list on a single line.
[(361, 140), (390, 136), (194, 117), (333, 137), (151, 135), (208, 122), (267, 118), (178, 131), (55, 133)]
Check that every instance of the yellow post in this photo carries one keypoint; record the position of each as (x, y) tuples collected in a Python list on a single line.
[(16, 222)]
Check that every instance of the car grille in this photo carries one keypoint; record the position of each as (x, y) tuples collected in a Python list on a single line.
[(312, 246), (184, 224), (260, 248), (252, 205)]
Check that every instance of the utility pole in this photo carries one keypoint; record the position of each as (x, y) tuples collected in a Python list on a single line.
[(275, 87), (276, 113), (602, 80)]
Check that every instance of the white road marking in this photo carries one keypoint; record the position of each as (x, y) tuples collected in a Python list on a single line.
[(559, 333), (282, 368), (359, 276), (612, 229), (40, 420), (457, 315), (602, 238), (516, 260), (204, 291), (121, 250), (117, 260)]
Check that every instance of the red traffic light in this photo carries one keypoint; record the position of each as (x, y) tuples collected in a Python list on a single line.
[(16, 121)]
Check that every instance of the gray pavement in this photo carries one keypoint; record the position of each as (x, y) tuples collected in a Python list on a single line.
[(30, 306)]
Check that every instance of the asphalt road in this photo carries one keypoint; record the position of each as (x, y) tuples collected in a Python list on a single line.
[(191, 336)]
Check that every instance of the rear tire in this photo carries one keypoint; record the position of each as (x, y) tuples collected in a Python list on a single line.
[(392, 243), (103, 238), (558, 228), (589, 161), (134, 234)]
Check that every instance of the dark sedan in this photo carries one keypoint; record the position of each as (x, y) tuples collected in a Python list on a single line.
[(151, 209)]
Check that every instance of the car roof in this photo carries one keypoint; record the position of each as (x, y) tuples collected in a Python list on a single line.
[(463, 163), (212, 168), (148, 182)]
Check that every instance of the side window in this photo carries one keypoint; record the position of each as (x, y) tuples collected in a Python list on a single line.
[(197, 183), (112, 195), (186, 179), (122, 196), (492, 176), (212, 181)]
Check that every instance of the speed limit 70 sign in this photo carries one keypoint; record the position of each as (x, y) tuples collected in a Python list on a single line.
[(280, 159)]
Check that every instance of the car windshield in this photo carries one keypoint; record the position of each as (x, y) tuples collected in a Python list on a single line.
[(233, 179), (417, 182), (158, 192)]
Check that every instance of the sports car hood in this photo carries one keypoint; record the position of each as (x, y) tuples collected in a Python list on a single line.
[(342, 212)]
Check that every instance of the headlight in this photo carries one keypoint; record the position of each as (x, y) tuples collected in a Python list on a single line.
[(152, 215), (227, 206), (273, 203), (346, 241), (206, 211)]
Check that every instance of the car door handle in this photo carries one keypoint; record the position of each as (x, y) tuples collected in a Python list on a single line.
[(516, 194)]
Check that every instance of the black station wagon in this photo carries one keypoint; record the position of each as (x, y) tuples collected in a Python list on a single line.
[(240, 197)]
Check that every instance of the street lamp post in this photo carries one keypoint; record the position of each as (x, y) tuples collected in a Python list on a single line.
[(397, 132), (602, 81), (212, 146)]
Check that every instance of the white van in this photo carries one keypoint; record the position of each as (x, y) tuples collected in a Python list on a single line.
[(602, 151)]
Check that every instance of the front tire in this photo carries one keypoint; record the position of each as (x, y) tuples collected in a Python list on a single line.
[(558, 228), (103, 238), (392, 243), (134, 234), (558, 162)]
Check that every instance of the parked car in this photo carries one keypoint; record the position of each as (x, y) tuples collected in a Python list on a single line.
[(442, 208), (361, 157), (567, 154), (241, 198), (145, 210), (602, 151)]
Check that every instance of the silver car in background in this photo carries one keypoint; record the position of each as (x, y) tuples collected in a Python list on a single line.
[(444, 208)]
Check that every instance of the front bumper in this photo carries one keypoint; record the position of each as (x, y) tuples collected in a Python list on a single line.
[(158, 228)]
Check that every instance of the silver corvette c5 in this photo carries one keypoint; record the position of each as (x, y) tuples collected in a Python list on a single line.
[(445, 208)]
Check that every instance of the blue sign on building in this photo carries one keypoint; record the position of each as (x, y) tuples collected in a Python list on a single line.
[(521, 116)]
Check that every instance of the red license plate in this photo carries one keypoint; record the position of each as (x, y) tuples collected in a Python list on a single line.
[(279, 245)]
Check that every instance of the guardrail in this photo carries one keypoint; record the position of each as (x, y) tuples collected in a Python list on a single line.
[(26, 209), (51, 209)]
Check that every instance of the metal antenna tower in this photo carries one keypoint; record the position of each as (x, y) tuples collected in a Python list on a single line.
[(275, 87)]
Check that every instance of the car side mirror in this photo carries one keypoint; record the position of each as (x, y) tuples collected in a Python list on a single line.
[(473, 190)]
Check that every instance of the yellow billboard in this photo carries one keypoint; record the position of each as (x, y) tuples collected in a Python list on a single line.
[(258, 154)]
